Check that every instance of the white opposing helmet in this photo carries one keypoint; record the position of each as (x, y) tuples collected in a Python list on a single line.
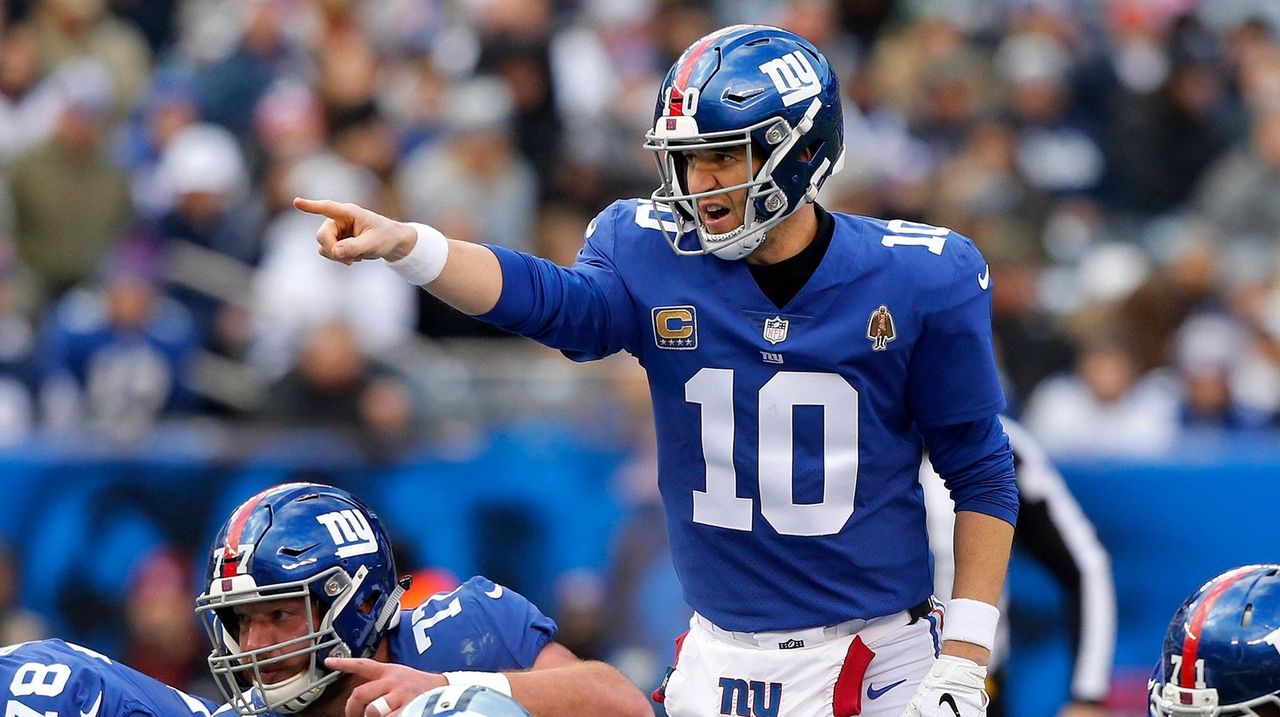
[(463, 701)]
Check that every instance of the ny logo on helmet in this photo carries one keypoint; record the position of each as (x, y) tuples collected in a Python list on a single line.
[(794, 77), (350, 531)]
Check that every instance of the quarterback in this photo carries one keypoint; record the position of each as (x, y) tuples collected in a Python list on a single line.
[(799, 361)]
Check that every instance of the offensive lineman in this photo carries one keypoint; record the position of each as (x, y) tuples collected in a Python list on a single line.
[(302, 604)]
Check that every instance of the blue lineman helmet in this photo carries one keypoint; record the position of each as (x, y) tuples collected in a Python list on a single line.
[(298, 540), (1221, 653), (463, 701), (758, 87)]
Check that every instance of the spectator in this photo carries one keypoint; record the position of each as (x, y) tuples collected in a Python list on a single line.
[(68, 29), (30, 102), (63, 242), (211, 229), (119, 355), (231, 77), (1106, 407), (323, 388), (167, 108), (333, 386), (1055, 152), (1237, 193), (455, 183), (1187, 111), (524, 66), (885, 173), (1205, 357)]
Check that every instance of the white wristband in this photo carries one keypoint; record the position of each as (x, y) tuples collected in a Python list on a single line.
[(970, 621), (493, 680), (426, 260)]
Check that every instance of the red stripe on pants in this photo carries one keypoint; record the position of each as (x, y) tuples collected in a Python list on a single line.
[(847, 700)]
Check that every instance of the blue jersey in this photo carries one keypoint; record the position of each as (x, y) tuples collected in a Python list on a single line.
[(52, 678), (790, 439), (478, 626)]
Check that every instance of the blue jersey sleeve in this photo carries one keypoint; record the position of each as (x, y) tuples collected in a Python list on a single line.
[(478, 626), (585, 311), (521, 625), (952, 375), (976, 464)]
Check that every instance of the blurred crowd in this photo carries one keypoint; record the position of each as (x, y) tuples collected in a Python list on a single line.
[(1117, 161)]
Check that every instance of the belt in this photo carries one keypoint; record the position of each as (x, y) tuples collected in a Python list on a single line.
[(869, 629)]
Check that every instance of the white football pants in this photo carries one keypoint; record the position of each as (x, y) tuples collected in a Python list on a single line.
[(869, 669)]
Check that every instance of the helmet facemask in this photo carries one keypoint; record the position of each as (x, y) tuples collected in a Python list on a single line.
[(238, 672), (1175, 701), (766, 203)]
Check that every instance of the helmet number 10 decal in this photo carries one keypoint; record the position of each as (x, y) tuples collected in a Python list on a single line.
[(794, 77), (350, 531)]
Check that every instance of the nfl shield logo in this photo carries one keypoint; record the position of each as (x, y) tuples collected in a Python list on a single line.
[(775, 330), (226, 585), (671, 124)]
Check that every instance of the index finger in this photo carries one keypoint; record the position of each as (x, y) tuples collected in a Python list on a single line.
[(323, 207), (361, 666)]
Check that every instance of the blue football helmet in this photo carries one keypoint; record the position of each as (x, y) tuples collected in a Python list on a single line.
[(298, 540), (1221, 653), (463, 701), (753, 86)]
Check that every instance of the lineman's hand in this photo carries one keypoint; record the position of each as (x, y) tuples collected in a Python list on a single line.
[(386, 687), (954, 687), (351, 233)]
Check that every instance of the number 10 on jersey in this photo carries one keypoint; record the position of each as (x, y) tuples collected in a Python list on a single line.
[(720, 505)]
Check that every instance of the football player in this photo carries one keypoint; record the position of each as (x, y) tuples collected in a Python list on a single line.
[(798, 361), (51, 678), (1221, 653), (302, 604)]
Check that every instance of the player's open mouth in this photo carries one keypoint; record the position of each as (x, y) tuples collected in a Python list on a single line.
[(716, 216)]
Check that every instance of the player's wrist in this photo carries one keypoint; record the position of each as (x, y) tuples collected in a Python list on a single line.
[(420, 254), (972, 622), (406, 239), (977, 654), (493, 680)]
